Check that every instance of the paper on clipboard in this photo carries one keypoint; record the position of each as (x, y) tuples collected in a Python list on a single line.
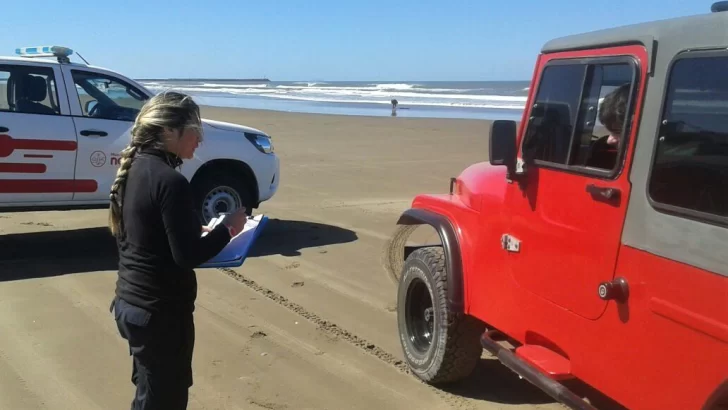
[(235, 252)]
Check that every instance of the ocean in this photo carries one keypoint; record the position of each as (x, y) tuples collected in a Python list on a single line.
[(433, 99)]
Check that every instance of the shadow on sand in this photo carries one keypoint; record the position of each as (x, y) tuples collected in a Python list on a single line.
[(55, 253), (288, 238), (493, 382)]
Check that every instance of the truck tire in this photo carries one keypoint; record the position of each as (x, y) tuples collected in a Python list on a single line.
[(217, 192), (439, 347)]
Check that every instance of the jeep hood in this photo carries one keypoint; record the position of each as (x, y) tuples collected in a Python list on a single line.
[(226, 126)]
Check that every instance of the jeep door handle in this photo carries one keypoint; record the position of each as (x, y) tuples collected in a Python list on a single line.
[(4, 129), (88, 133), (603, 193), (617, 289)]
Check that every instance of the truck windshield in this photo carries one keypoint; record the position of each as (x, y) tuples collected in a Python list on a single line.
[(106, 97)]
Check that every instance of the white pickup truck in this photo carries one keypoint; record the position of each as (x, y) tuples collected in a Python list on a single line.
[(63, 124)]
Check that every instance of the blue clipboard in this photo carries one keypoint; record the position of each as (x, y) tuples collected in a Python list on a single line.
[(236, 251)]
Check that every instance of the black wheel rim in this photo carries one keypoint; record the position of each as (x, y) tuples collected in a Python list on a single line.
[(419, 316)]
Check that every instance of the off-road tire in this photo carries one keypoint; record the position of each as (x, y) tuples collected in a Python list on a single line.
[(211, 181), (454, 348)]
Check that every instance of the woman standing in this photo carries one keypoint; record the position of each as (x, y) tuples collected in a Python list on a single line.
[(160, 243)]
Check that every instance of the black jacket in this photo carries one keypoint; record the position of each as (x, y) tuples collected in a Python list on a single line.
[(161, 241)]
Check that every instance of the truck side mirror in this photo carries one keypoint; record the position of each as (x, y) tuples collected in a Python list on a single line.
[(503, 144), (90, 104)]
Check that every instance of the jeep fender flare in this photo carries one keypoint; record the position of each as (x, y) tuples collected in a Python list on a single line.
[(451, 249), (719, 398)]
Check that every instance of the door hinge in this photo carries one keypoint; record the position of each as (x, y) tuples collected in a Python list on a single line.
[(510, 243), (520, 166)]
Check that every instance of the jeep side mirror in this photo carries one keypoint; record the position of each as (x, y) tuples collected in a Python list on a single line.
[(503, 144)]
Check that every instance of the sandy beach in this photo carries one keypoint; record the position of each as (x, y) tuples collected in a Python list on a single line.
[(307, 322)]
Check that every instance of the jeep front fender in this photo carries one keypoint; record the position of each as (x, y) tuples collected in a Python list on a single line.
[(451, 247)]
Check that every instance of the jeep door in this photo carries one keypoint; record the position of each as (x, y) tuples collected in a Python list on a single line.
[(104, 108), (37, 138), (569, 211)]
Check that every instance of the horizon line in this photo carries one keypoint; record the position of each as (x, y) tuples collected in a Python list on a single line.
[(321, 80)]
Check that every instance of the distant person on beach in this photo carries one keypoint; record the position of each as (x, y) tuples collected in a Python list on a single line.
[(160, 243), (394, 107)]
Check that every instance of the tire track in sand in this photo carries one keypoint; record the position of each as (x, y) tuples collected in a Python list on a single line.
[(24, 396), (337, 331)]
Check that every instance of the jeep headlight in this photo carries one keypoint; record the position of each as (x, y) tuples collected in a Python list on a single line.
[(262, 142)]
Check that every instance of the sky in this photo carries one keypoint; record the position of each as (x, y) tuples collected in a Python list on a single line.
[(319, 40)]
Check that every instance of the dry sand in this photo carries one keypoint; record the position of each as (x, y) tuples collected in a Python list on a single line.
[(306, 323)]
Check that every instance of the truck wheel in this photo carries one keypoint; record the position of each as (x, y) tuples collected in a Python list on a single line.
[(221, 192), (439, 346)]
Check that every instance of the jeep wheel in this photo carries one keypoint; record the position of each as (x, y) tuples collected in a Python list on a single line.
[(439, 346), (219, 192)]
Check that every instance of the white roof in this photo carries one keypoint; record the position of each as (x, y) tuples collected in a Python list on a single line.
[(44, 60), (51, 61)]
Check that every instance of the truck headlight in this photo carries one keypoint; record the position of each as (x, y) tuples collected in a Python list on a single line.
[(262, 142)]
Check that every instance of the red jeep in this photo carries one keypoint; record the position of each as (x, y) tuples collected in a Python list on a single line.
[(593, 245)]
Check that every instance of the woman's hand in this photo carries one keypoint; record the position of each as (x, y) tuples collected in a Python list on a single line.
[(236, 220)]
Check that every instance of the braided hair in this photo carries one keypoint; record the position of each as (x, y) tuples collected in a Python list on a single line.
[(165, 114)]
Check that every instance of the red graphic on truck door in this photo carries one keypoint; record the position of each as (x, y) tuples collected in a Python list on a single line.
[(8, 145), (23, 168)]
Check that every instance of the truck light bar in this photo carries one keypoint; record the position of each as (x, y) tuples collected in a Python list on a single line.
[(61, 53)]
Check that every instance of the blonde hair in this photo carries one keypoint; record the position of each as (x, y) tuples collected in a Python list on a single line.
[(165, 112)]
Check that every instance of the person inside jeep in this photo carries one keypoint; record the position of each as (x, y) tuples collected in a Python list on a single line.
[(603, 151)]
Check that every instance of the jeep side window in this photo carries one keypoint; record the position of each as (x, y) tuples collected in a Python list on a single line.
[(690, 169), (554, 114), (565, 125), (609, 87), (106, 97), (28, 90)]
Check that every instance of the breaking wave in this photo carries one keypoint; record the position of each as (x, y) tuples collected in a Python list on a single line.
[(445, 94)]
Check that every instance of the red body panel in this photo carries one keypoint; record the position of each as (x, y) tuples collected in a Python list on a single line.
[(667, 348), (480, 195), (568, 246)]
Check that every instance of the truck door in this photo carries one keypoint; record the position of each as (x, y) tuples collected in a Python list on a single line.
[(37, 139), (105, 107), (569, 211)]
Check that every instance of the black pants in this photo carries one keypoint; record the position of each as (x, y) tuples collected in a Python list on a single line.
[(161, 346)]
